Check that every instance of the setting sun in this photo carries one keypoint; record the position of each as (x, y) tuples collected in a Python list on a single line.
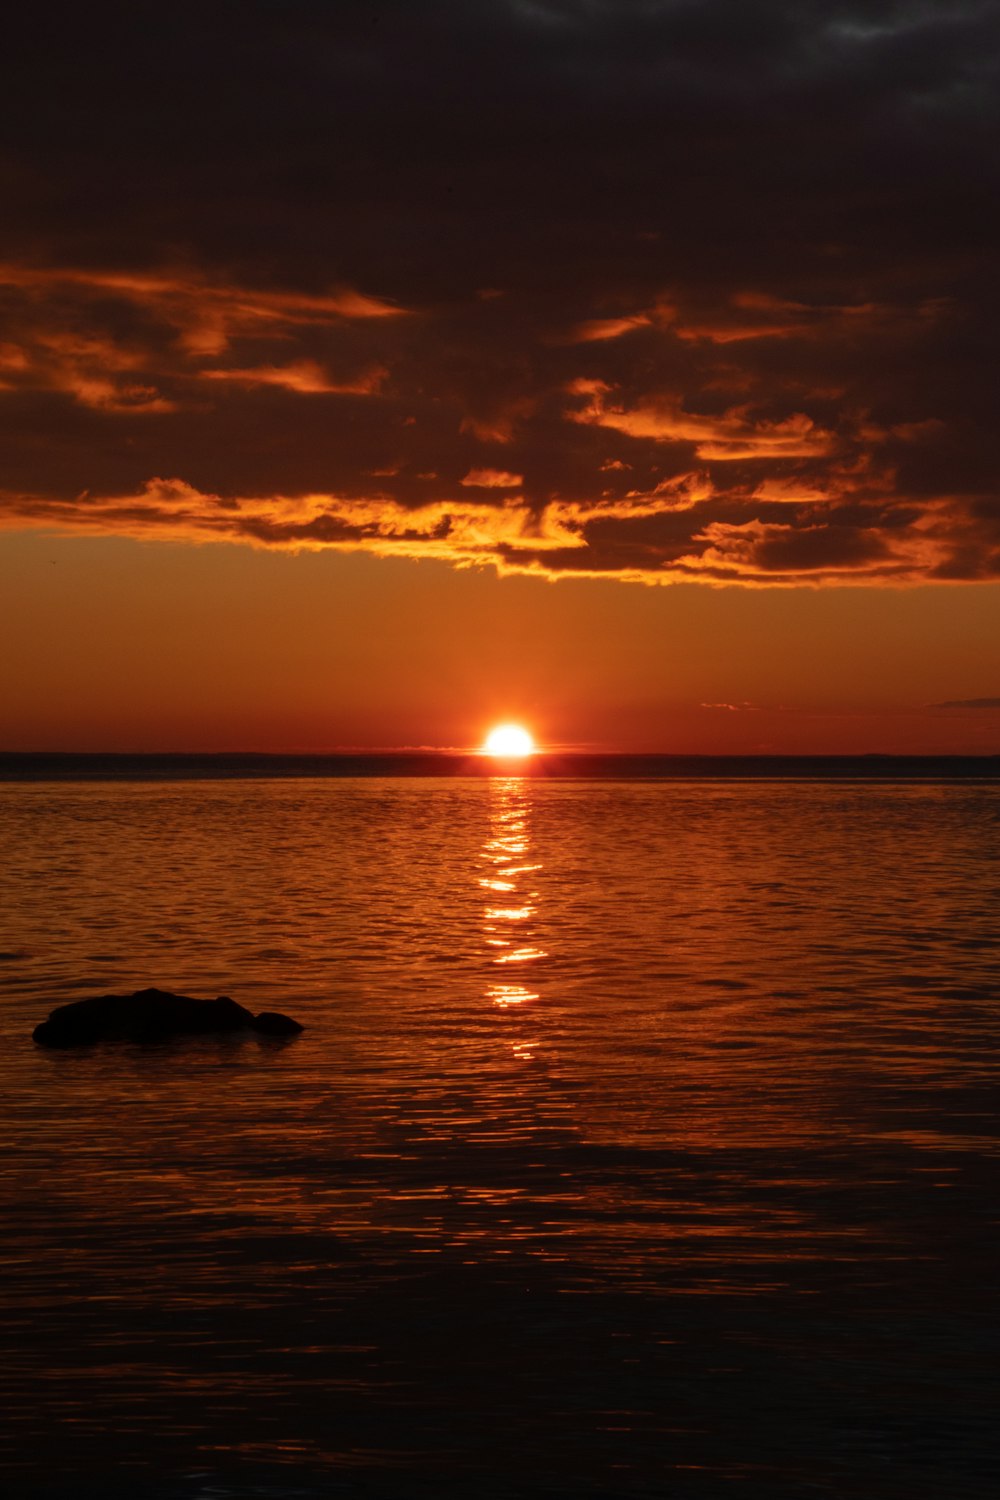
[(508, 740)]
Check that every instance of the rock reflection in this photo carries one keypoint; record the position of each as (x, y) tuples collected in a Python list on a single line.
[(508, 879)]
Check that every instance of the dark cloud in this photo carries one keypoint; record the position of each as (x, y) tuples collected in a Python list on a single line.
[(696, 289), (968, 703)]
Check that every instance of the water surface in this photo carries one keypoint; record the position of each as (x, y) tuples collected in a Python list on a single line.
[(642, 1140)]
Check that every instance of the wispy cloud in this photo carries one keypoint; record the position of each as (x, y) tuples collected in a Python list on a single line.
[(595, 330), (728, 437), (206, 314), (136, 343), (492, 479), (306, 376), (968, 703)]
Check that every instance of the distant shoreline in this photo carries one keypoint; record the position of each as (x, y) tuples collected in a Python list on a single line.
[(226, 766)]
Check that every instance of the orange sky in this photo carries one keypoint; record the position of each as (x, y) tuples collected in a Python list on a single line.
[(119, 644)]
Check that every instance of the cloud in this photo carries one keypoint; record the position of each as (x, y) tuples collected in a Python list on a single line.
[(306, 376), (751, 315), (734, 434), (206, 315), (696, 292), (653, 539), (459, 531), (968, 703), (595, 330), (136, 342), (492, 479)]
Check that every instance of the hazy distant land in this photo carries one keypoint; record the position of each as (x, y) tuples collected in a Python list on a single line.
[(73, 766)]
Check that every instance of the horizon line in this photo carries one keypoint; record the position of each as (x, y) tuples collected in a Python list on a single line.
[(477, 753)]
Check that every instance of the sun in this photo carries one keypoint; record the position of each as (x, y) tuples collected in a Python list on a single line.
[(509, 741)]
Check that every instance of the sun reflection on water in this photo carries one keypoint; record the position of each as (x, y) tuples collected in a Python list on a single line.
[(511, 894)]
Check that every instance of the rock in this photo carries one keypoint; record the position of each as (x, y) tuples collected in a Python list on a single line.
[(273, 1023), (153, 1016)]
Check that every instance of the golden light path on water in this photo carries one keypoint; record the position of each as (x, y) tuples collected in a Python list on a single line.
[(511, 894)]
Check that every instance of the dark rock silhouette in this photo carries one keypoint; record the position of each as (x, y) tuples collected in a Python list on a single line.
[(153, 1016), (273, 1023)]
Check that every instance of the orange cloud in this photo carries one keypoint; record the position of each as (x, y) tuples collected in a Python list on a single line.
[(731, 436), (601, 330), (492, 479), (456, 530), (133, 343), (679, 492), (13, 359), (206, 315), (668, 535), (596, 330), (752, 490), (306, 376), (758, 315), (498, 425), (783, 553), (93, 370)]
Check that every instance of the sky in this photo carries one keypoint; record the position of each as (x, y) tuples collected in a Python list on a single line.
[(370, 372)]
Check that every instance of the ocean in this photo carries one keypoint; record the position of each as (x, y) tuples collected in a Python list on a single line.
[(642, 1140)]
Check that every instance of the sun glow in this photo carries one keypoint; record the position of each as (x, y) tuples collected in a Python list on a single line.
[(509, 741)]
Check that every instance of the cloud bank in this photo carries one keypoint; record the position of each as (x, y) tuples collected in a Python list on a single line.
[(650, 291), (968, 703)]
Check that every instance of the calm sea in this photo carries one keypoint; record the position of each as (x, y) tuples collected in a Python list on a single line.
[(642, 1141)]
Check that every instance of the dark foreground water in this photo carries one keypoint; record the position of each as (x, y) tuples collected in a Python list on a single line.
[(642, 1142)]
